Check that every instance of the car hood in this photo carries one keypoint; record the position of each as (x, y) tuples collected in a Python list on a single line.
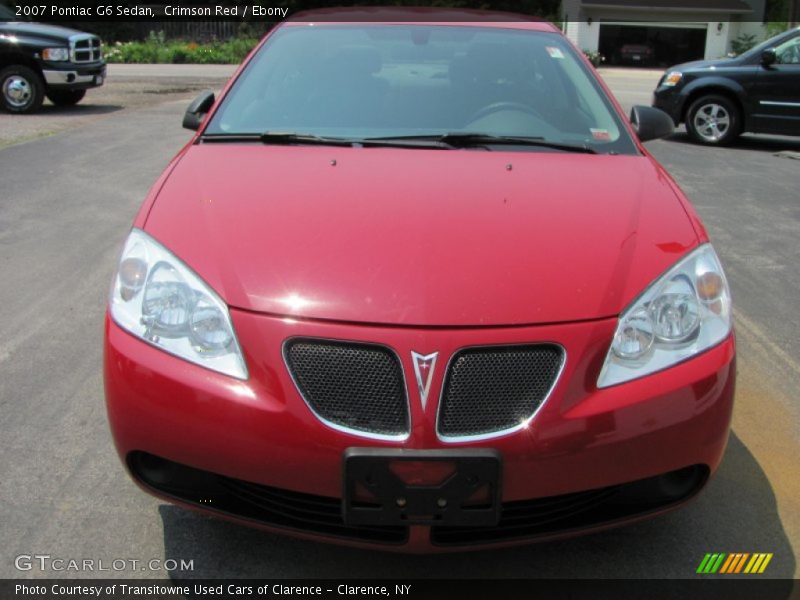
[(421, 237), (704, 64), (38, 31)]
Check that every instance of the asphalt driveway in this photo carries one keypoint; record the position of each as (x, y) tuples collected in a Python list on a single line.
[(67, 202)]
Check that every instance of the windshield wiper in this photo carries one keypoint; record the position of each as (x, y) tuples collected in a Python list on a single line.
[(463, 140), (457, 139), (279, 137), (282, 137), (288, 138), (454, 139)]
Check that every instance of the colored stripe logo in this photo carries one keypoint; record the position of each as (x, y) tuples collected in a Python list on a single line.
[(734, 563)]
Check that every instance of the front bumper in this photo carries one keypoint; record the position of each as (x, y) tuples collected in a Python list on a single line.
[(261, 433), (671, 101), (75, 78)]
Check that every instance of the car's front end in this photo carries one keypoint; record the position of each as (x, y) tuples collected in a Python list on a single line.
[(668, 95), (76, 65), (636, 54), (680, 83), (255, 451), (411, 342)]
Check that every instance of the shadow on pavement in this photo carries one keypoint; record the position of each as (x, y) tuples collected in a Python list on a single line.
[(763, 143), (79, 110), (737, 512)]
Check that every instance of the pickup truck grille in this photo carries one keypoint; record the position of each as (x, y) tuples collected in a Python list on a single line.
[(85, 49)]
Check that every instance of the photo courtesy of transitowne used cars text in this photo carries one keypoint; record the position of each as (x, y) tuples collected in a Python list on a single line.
[(419, 286)]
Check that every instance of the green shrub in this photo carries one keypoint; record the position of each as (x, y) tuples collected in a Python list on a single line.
[(156, 49), (594, 57), (776, 27), (743, 43)]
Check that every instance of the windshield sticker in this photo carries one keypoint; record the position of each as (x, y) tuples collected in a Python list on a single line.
[(555, 52), (601, 134)]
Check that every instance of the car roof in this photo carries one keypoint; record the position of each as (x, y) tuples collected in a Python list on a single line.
[(421, 16)]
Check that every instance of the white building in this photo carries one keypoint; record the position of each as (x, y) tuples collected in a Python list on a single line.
[(675, 30)]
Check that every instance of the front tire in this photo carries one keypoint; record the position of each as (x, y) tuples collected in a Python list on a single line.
[(713, 120), (21, 89), (66, 97)]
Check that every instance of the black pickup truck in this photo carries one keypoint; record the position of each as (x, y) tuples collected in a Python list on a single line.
[(39, 60)]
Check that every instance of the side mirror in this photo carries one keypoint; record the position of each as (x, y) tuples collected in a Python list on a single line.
[(651, 123), (769, 57), (197, 110)]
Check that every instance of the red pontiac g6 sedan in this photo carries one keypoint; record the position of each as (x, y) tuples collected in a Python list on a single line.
[(417, 285)]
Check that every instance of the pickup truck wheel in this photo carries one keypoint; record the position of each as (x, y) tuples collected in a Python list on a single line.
[(21, 88), (66, 97), (713, 120)]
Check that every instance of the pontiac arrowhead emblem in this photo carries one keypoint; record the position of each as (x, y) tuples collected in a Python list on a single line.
[(423, 371)]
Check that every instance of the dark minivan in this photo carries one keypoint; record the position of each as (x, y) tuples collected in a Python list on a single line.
[(758, 92)]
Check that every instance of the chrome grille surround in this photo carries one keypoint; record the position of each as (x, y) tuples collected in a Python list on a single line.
[(85, 48), (444, 429), (310, 392)]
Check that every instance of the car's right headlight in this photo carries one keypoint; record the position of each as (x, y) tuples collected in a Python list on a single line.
[(672, 78), (683, 313), (159, 299)]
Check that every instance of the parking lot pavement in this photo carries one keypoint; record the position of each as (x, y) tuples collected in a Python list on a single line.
[(631, 86), (127, 86), (66, 206), (122, 72)]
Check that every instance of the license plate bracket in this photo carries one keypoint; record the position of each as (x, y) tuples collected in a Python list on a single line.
[(374, 494)]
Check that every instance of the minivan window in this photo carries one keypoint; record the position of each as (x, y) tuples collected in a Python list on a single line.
[(371, 80), (757, 50)]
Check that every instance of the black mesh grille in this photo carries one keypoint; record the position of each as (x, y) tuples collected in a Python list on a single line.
[(358, 386), (303, 512), (491, 389), (542, 517), (260, 503), (527, 518)]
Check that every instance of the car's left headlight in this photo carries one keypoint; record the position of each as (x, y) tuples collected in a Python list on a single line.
[(159, 299), (672, 79), (55, 54), (684, 312)]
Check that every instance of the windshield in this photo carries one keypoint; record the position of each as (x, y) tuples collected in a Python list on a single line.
[(370, 80), (770, 43)]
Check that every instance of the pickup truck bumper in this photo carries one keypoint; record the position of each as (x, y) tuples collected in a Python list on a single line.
[(75, 79)]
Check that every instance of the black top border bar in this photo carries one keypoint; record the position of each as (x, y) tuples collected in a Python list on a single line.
[(272, 11)]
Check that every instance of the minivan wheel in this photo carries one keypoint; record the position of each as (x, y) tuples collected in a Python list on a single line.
[(21, 88), (713, 120)]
